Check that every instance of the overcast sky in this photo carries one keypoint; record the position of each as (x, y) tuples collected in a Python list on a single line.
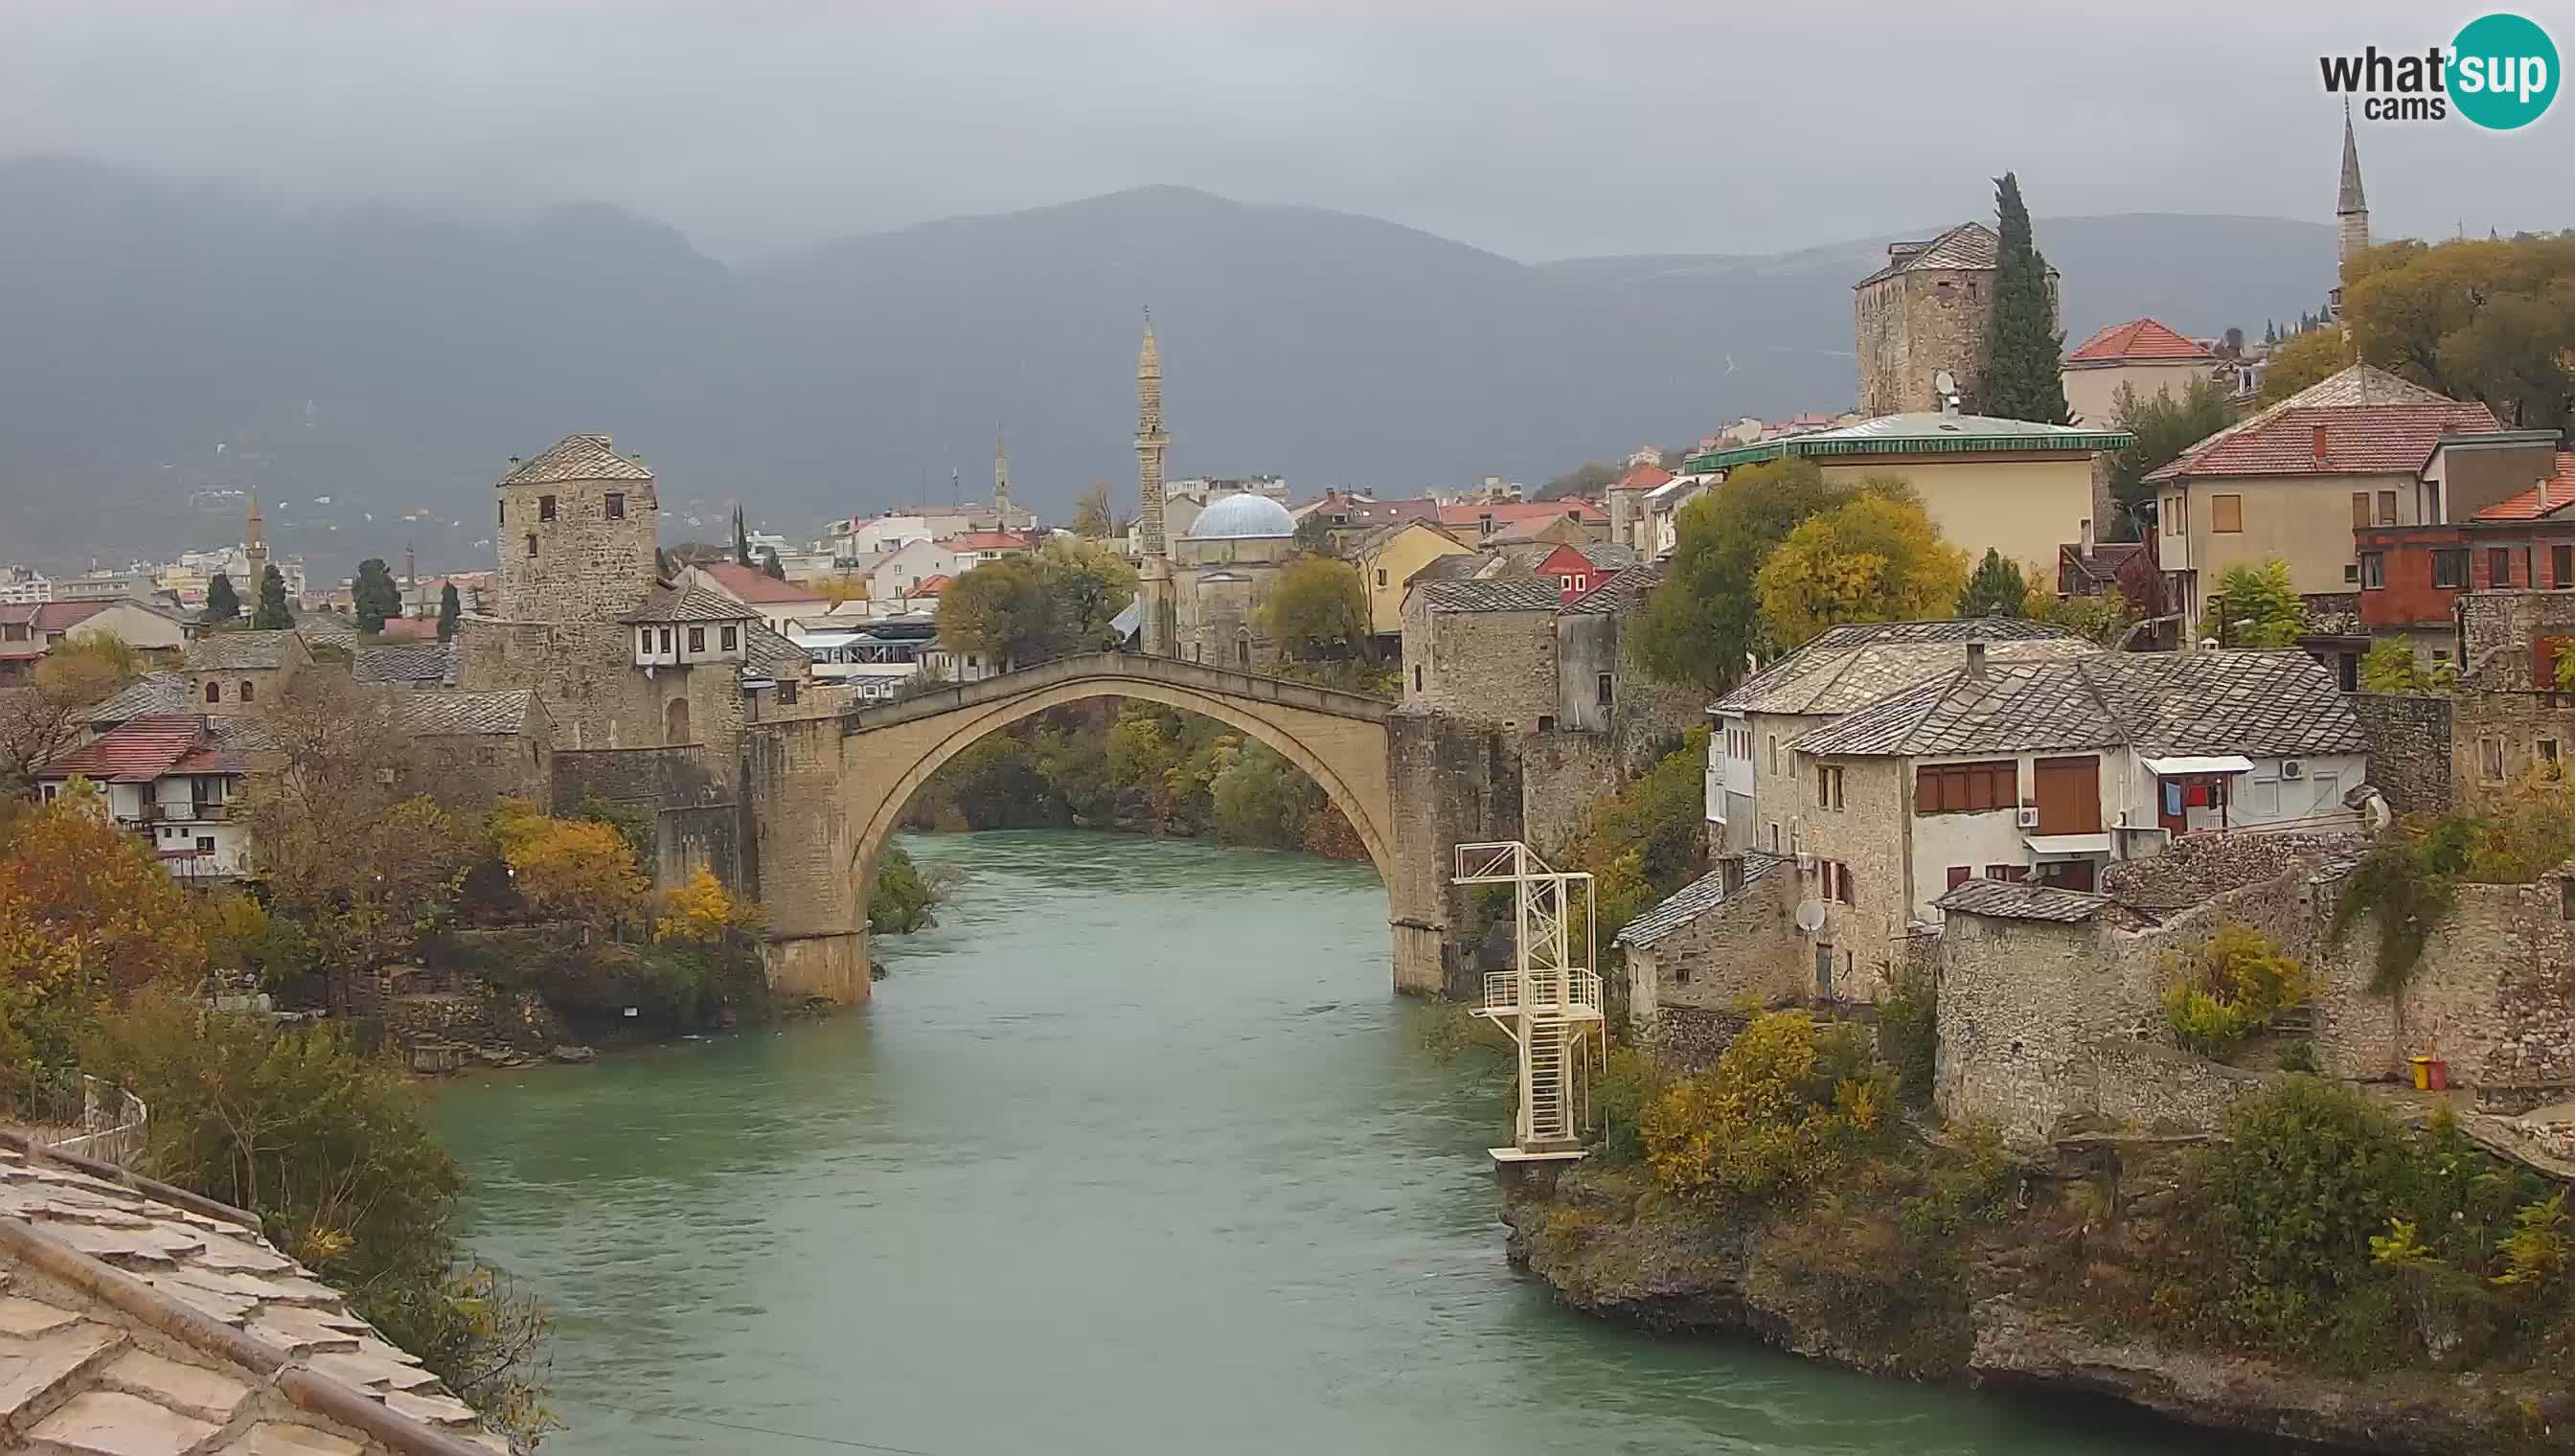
[(1538, 130)]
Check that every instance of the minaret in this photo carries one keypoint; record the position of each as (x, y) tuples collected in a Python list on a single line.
[(2351, 209), (1000, 481), (1154, 578), (255, 549)]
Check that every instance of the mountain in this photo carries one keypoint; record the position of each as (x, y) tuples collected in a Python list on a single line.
[(164, 342)]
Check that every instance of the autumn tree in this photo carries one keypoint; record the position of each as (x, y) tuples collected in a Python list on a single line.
[(1996, 589), (363, 867), (703, 913), (272, 615), (1314, 534), (2480, 319), (1316, 608), (1703, 620), (48, 715), (1001, 611), (2301, 360), (2165, 426), (2024, 348), (451, 612), (569, 870), (1088, 582), (222, 602), (1090, 514), (1877, 559), (2256, 607)]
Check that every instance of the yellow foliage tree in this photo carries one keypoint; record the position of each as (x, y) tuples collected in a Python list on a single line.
[(1780, 1109), (703, 913), (575, 870), (1877, 559)]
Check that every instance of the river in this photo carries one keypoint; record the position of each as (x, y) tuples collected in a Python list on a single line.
[(1135, 1153)]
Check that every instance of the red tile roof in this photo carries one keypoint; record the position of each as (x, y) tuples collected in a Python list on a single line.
[(1644, 477), (64, 616), (2545, 498), (2138, 338), (752, 584), (409, 629), (985, 540), (2358, 440), (135, 751), (929, 586)]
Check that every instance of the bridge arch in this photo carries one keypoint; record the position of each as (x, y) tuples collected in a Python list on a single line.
[(830, 788)]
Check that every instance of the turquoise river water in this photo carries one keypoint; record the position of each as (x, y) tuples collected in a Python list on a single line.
[(1134, 1154)]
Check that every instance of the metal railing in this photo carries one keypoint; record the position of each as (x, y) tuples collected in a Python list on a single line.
[(84, 1116), (1572, 990)]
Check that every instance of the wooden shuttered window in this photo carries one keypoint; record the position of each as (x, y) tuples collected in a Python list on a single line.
[(1966, 788), (2226, 513)]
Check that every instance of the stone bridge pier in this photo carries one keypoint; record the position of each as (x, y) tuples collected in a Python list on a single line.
[(824, 794)]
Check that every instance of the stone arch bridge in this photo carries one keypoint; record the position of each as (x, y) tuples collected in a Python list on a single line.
[(825, 791)]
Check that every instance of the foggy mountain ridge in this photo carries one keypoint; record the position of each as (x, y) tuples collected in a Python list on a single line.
[(391, 358)]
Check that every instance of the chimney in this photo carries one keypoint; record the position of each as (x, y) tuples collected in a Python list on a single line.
[(2320, 441), (1977, 661), (2087, 537)]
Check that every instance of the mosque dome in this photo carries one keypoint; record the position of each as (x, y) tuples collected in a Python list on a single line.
[(1240, 515)]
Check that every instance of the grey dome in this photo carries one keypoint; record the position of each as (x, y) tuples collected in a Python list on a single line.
[(1244, 515)]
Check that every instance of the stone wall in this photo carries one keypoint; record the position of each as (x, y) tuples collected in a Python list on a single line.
[(1909, 326), (585, 566), (1745, 949), (1562, 775), (1452, 782), (583, 673), (2409, 748), (698, 820), (2192, 871), (2158, 1088), (1483, 666), (2500, 737)]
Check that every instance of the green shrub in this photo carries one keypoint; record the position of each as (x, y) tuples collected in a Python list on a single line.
[(1630, 1086), (1908, 1032), (2237, 985), (901, 901)]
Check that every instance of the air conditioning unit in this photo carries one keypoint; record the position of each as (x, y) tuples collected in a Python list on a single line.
[(2030, 818), (2292, 769)]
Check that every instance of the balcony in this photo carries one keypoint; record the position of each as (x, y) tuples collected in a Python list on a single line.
[(1573, 994)]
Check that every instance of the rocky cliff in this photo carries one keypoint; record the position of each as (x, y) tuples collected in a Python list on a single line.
[(2013, 1317)]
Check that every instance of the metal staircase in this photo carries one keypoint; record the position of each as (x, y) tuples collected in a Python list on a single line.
[(1549, 1001)]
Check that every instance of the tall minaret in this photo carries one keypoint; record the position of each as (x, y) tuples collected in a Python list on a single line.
[(2351, 208), (1000, 481), (1154, 579), (255, 548)]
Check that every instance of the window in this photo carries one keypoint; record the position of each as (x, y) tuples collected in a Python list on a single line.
[(697, 639), (1546, 722), (2262, 795), (2351, 573), (2547, 749), (1604, 689), (2490, 760), (2450, 568), (248, 688), (2373, 570), (531, 542), (1774, 753), (1960, 875), (504, 517), (1565, 583), (644, 640), (1828, 785), (2387, 508), (205, 844), (2226, 513), (1417, 676), (1837, 884), (1581, 582), (787, 692), (2361, 517), (214, 692), (2561, 567), (666, 640), (1380, 576), (1241, 653), (732, 638), (2499, 568), (1966, 788), (616, 505), (544, 507), (52, 789)]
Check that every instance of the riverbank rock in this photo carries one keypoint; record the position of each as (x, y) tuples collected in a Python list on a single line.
[(1609, 1249), (574, 1055)]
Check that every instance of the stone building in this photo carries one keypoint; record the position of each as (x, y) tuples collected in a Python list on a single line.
[(469, 748), (1925, 313), (1219, 580), (230, 673)]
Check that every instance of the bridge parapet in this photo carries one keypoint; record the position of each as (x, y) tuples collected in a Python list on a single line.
[(1196, 677)]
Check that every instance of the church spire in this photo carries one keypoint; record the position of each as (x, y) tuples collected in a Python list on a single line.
[(255, 544), (2351, 207)]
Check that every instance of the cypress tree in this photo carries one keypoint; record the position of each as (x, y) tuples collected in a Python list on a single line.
[(222, 602), (777, 571), (450, 610), (375, 594), (272, 615), (2024, 352), (740, 540)]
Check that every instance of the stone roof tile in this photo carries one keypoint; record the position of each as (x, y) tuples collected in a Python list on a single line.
[(1499, 593), (1848, 667), (1695, 899), (240, 652), (689, 603), (1968, 245), (2021, 901), (448, 713), (577, 458), (408, 665)]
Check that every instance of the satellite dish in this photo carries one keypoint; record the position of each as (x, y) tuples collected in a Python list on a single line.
[(1810, 917), (1946, 382)]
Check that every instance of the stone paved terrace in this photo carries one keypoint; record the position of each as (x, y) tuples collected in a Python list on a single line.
[(138, 1320)]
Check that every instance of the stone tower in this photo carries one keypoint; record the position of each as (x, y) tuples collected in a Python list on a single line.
[(255, 550), (1925, 311), (2351, 208), (576, 532), (1000, 481), (1153, 574)]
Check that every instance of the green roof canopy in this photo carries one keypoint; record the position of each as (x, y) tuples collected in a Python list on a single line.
[(1919, 434)]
